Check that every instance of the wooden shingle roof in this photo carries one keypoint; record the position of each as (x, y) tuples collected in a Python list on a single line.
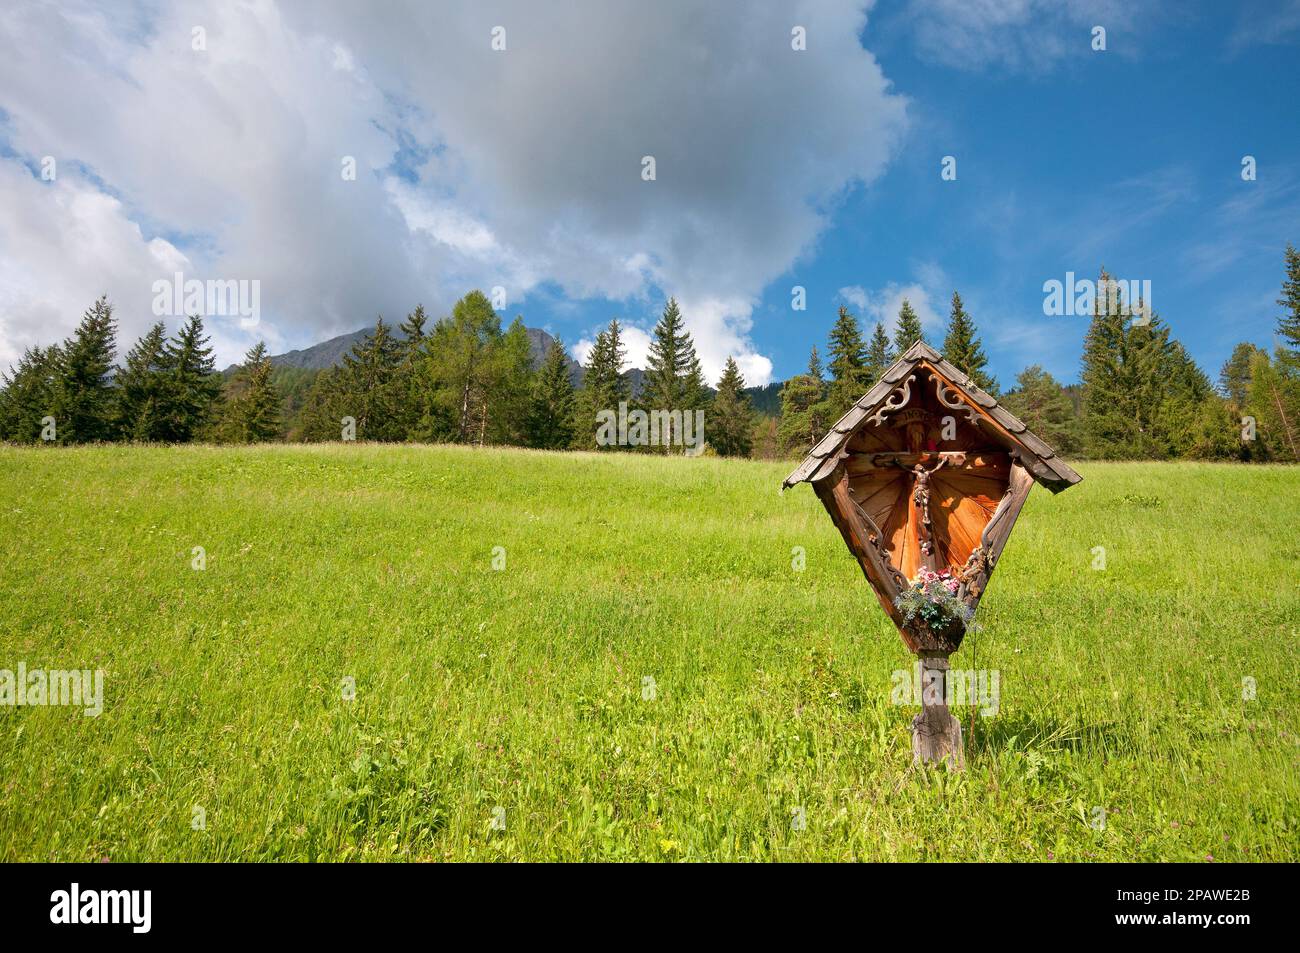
[(1004, 427)]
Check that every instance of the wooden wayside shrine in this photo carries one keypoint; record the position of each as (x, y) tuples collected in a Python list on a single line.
[(926, 470)]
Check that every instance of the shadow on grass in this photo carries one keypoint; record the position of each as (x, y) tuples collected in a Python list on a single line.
[(1026, 731)]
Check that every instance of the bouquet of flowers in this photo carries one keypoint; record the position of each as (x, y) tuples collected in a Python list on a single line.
[(933, 596)]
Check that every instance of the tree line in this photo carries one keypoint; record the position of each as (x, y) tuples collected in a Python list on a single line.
[(461, 379), (1140, 396), (465, 379), (166, 390)]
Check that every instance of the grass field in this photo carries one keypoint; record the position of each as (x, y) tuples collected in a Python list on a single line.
[(522, 688)]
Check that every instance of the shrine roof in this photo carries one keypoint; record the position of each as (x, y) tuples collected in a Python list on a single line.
[(1037, 457)]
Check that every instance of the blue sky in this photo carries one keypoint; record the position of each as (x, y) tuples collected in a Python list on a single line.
[(207, 138), (1106, 158)]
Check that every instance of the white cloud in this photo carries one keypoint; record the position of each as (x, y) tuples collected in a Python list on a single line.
[(928, 294), (636, 346), (857, 296), (474, 168), (1030, 35)]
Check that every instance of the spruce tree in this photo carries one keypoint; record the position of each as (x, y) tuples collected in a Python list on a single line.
[(1234, 376), (674, 380), (369, 371), (142, 388), (27, 394), (552, 405), (815, 365), (410, 391), (323, 408), (192, 384), (413, 329), (83, 395), (603, 386), (1106, 424), (878, 354), (506, 399), (1143, 395), (849, 375), (962, 348), (252, 412), (731, 420), (667, 364), (908, 329)]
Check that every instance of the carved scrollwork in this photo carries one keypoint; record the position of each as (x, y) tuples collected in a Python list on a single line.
[(974, 575), (954, 402), (897, 400), (876, 542)]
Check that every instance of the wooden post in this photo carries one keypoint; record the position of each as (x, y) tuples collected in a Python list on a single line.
[(936, 734)]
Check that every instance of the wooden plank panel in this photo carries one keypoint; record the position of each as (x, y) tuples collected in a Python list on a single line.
[(871, 438), (986, 492), (895, 530), (962, 525), (877, 497)]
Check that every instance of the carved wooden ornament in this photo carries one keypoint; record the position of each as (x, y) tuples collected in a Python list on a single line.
[(927, 470)]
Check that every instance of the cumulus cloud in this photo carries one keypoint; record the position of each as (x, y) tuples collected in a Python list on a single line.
[(475, 167)]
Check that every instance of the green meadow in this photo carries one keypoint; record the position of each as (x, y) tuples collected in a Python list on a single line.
[(639, 672)]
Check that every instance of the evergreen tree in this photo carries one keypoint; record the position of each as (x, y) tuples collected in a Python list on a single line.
[(191, 384), (603, 386), (27, 394), (962, 348), (1107, 427), (673, 378), (1234, 377), (410, 393), (815, 365), (507, 398), (1143, 395), (1215, 434), (252, 412), (803, 415), (369, 373), (1274, 401), (878, 355), (552, 405), (1190, 408), (83, 396), (142, 388), (1288, 324), (695, 392), (323, 408), (413, 329), (731, 420), (1043, 406), (908, 329), (849, 374), (668, 362)]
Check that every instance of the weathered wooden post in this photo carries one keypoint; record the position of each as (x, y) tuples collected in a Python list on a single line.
[(924, 477)]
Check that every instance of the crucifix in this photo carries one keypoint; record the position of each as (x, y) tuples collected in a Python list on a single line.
[(928, 472)]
